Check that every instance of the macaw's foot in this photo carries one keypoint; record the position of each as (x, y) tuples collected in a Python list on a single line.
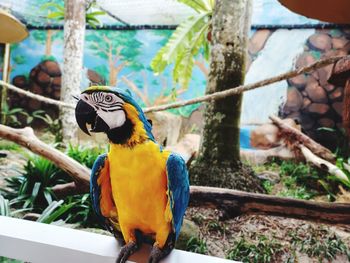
[(127, 251), (159, 253), (156, 255)]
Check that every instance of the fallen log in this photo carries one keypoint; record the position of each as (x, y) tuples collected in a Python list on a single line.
[(293, 138), (233, 202)]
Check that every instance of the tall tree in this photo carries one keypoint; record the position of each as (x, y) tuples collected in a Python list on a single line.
[(74, 33), (119, 48), (47, 38), (219, 163)]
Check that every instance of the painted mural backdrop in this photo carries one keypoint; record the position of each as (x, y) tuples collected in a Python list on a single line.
[(116, 58), (122, 57)]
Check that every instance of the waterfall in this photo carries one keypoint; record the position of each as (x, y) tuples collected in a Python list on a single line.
[(278, 56)]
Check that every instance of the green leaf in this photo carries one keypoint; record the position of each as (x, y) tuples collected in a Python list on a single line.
[(48, 196), (96, 13), (56, 15), (181, 38), (52, 6), (198, 5)]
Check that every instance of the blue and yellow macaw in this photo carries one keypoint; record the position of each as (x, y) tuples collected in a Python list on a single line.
[(137, 188)]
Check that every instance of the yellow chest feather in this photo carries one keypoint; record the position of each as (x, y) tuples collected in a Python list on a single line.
[(139, 186)]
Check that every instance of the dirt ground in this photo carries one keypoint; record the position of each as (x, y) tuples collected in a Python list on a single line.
[(281, 238)]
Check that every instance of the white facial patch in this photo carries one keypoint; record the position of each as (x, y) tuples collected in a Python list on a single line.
[(108, 106)]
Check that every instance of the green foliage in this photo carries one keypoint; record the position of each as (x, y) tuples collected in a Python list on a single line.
[(85, 155), (4, 206), (33, 188), (81, 211), (123, 46), (56, 12), (268, 186), (53, 126), (9, 146), (9, 260), (33, 191), (19, 59), (185, 43), (345, 167), (321, 244), (197, 245), (54, 211), (10, 116), (261, 251)]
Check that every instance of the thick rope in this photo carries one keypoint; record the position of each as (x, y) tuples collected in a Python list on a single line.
[(210, 97)]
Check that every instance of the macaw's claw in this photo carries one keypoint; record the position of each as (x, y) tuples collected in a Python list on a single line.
[(127, 251), (156, 255)]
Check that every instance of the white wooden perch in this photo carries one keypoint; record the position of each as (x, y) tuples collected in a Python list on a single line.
[(41, 243)]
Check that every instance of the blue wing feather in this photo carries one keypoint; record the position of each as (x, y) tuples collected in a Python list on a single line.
[(95, 190), (179, 189)]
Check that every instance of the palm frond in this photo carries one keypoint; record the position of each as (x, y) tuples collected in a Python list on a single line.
[(181, 38), (198, 5)]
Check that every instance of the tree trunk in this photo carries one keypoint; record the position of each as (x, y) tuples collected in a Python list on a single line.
[(48, 43), (74, 32), (219, 163)]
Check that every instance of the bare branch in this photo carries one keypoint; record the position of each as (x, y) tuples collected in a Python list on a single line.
[(36, 96)]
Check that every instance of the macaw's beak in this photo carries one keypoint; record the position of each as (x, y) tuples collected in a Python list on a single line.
[(85, 114)]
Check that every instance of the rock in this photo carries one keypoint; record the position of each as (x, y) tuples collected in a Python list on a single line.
[(259, 157), (195, 122), (187, 147), (35, 88), (166, 127), (298, 81), (307, 122), (34, 104), (329, 87), (304, 59), (52, 68), (325, 122), (339, 42), (95, 78), (20, 81), (324, 74), (43, 78), (318, 108), (316, 93), (258, 40), (337, 94), (320, 41), (294, 100), (306, 103), (188, 231), (338, 107), (56, 81), (273, 177), (264, 137)]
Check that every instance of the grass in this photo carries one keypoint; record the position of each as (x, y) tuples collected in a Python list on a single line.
[(9, 146), (320, 244), (298, 180), (197, 245), (262, 250)]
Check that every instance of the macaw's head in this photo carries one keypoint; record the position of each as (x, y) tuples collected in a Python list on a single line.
[(114, 112)]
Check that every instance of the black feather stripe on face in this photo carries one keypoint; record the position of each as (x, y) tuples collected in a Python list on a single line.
[(122, 134)]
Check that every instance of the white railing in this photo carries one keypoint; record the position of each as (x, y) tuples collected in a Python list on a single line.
[(41, 243)]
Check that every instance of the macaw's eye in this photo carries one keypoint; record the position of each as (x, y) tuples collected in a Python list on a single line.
[(108, 98)]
